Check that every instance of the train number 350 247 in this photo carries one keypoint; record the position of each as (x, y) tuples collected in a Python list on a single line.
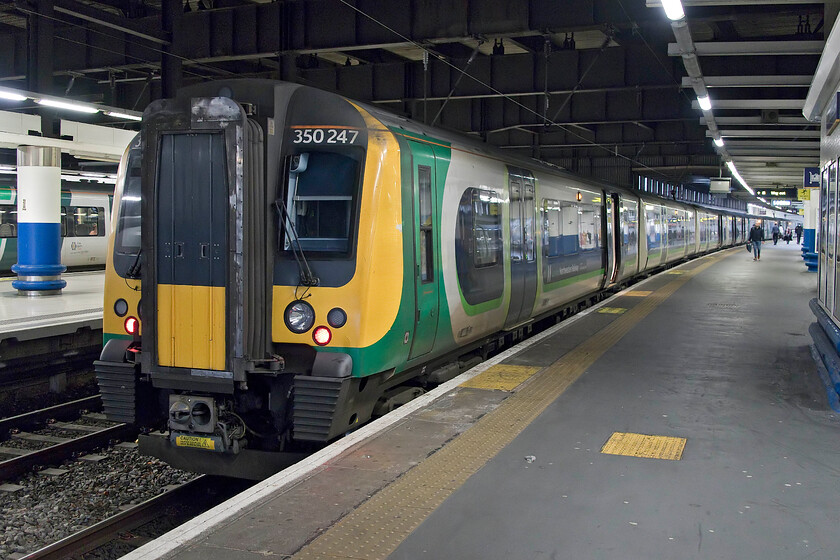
[(324, 136)]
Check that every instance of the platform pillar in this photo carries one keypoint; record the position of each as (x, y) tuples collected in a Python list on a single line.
[(809, 233), (39, 265)]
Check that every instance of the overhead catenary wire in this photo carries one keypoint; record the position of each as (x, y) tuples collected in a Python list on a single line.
[(123, 39), (511, 99)]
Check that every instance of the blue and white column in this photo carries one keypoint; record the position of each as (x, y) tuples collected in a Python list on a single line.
[(39, 265), (809, 238)]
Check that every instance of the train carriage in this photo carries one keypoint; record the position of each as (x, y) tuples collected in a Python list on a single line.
[(306, 260), (85, 223)]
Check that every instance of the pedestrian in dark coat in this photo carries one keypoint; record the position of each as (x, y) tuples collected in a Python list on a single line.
[(756, 238)]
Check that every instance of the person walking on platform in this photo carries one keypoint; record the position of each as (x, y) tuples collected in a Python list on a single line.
[(798, 230), (788, 236), (775, 233), (756, 238)]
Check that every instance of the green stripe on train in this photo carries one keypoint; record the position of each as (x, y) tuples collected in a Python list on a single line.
[(573, 280)]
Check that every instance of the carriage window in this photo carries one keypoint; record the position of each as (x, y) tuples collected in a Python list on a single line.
[(83, 221), (561, 225), (629, 227), (424, 175), (322, 190), (8, 222), (478, 246), (569, 228), (487, 229)]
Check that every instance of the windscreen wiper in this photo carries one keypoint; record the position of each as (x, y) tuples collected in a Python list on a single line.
[(307, 278), (134, 270)]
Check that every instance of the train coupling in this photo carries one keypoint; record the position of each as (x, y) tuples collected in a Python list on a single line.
[(199, 422)]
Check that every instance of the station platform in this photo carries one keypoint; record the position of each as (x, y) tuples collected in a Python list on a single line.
[(79, 305), (682, 418)]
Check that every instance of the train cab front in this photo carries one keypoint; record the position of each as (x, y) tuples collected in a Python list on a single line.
[(221, 229)]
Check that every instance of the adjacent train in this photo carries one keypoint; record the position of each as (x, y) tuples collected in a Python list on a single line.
[(306, 260), (85, 225)]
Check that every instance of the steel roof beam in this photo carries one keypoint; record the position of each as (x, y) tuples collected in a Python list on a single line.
[(698, 3), (105, 19), (766, 133), (773, 145), (757, 121), (752, 48), (746, 104), (751, 81), (775, 159)]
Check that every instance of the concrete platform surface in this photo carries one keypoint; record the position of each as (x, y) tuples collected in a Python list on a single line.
[(709, 364), (79, 305)]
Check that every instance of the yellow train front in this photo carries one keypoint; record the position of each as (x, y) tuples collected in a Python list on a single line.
[(269, 281)]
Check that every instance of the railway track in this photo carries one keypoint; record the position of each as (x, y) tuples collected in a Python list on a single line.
[(51, 435), (180, 503)]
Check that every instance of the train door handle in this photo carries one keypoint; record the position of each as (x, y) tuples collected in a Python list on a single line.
[(205, 250), (179, 250)]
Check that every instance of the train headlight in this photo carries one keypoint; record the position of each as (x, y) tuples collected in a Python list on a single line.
[(120, 307), (299, 316), (322, 336)]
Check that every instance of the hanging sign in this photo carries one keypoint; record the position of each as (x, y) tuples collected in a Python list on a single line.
[(812, 178)]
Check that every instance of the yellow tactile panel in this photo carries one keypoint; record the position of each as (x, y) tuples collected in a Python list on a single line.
[(613, 310), (675, 272), (501, 377), (641, 445), (637, 293)]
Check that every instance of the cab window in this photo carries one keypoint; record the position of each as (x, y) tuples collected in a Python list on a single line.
[(323, 187)]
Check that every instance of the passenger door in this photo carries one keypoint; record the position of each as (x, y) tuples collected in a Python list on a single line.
[(523, 253), (613, 244), (425, 249)]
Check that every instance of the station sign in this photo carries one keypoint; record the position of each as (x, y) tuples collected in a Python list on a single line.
[(812, 178), (804, 194), (776, 193)]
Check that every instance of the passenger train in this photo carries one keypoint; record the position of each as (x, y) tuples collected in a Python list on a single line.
[(307, 260), (85, 224)]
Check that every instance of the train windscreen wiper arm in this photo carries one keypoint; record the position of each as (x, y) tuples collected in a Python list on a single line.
[(307, 278), (134, 270)]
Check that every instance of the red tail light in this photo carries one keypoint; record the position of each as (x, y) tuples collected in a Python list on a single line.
[(322, 336), (132, 325)]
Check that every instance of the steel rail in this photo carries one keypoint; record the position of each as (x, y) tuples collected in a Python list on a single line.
[(64, 411), (61, 451), (107, 530)]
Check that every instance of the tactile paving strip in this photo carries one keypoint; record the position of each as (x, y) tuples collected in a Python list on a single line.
[(637, 293), (377, 527), (612, 310), (641, 445), (501, 377)]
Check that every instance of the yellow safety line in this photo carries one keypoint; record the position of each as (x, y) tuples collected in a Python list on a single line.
[(377, 527)]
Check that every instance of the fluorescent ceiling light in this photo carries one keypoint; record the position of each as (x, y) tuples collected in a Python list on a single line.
[(67, 105), (705, 103), (673, 9), (12, 96), (737, 175), (123, 116), (719, 142)]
